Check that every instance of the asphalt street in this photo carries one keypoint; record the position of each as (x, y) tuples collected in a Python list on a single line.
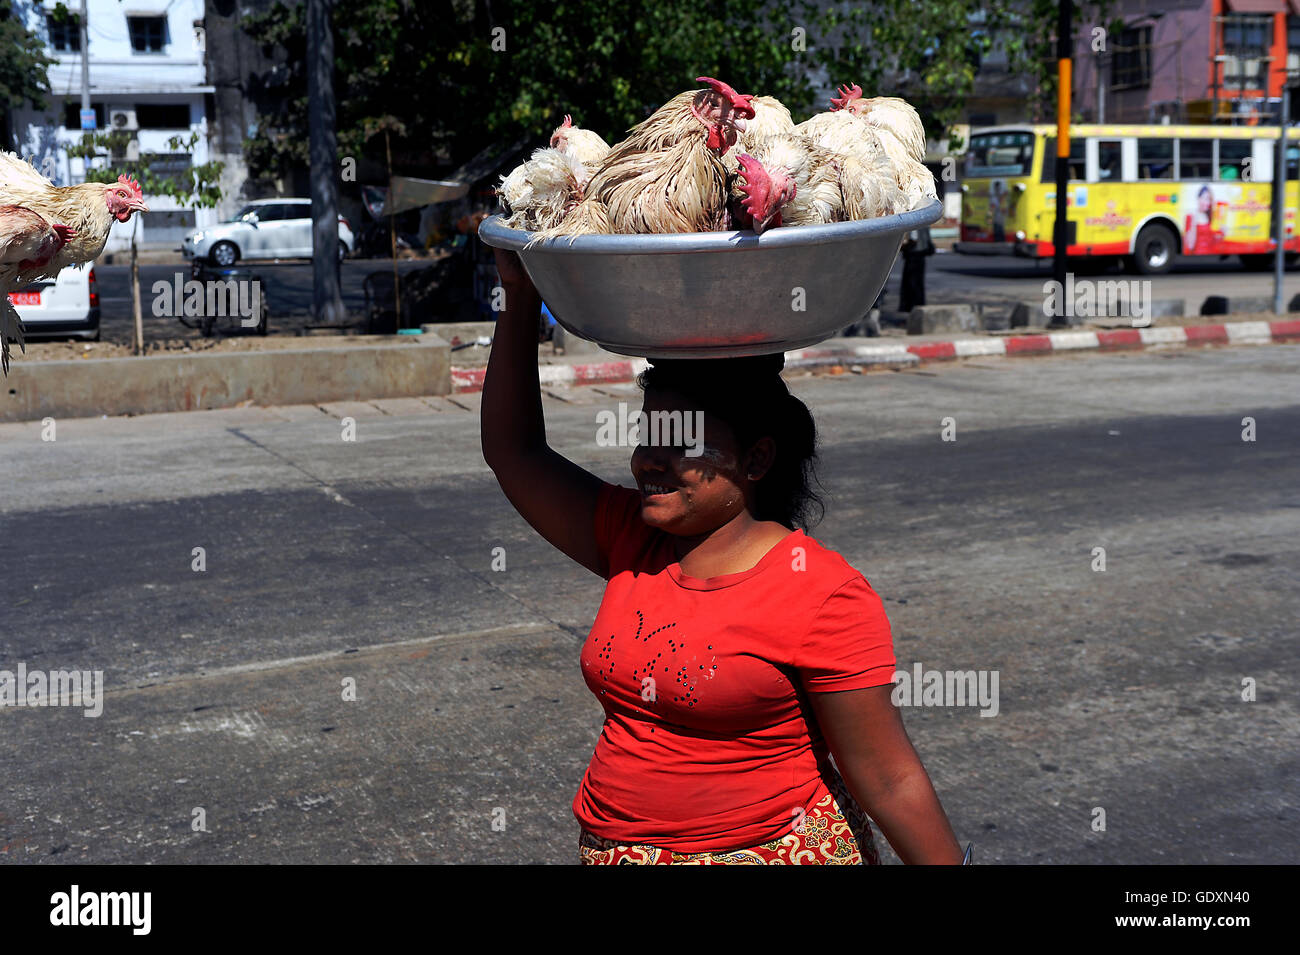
[(369, 563), (950, 278)]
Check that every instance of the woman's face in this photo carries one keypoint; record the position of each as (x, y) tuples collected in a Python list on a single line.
[(682, 494), (1206, 200)]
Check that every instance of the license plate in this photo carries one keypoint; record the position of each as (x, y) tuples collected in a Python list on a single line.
[(25, 298)]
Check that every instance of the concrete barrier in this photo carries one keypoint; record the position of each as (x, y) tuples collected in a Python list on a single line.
[(1238, 304), (928, 319), (192, 382)]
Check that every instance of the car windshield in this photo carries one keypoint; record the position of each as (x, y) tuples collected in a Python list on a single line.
[(243, 214)]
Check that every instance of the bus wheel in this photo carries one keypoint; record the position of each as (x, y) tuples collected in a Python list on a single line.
[(1154, 251)]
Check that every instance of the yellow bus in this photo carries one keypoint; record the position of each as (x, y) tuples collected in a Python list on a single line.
[(1138, 193)]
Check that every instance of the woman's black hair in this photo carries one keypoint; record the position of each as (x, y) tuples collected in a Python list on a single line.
[(751, 397)]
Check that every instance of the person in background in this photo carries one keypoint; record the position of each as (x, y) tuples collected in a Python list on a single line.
[(916, 247)]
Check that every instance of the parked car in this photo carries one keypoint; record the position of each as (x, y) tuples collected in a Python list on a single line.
[(66, 305), (265, 229)]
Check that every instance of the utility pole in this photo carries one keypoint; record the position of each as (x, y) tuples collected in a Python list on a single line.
[(1279, 200), (327, 296), (1064, 79), (85, 58), (1101, 92)]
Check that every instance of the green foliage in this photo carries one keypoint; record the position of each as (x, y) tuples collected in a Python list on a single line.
[(460, 75), (196, 187), (23, 63)]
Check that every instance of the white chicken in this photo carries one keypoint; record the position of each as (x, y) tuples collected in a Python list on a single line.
[(789, 180), (589, 147), (45, 228), (843, 129), (540, 192)]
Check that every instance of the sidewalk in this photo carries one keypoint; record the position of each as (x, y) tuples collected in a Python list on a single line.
[(594, 366)]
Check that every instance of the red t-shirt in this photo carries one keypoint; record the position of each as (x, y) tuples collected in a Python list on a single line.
[(722, 749)]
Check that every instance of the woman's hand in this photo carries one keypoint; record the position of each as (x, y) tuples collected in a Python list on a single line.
[(511, 269)]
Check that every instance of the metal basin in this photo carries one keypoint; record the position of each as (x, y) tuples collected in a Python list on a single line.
[(713, 294)]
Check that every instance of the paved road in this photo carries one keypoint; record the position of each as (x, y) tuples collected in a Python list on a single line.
[(371, 561), (962, 278)]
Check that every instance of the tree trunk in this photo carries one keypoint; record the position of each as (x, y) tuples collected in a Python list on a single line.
[(327, 294)]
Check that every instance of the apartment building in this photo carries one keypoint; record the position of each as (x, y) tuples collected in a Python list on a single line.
[(146, 77)]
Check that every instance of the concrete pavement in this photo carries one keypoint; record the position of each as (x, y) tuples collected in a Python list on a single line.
[(371, 560)]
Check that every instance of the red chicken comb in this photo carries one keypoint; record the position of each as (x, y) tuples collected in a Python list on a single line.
[(568, 121), (739, 101), (760, 193), (847, 95), (132, 185)]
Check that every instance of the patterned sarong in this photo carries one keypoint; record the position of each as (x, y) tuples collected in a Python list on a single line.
[(834, 832)]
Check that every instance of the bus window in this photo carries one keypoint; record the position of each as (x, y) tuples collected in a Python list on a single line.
[(1000, 154), (1110, 160), (1155, 159), (1077, 160), (1194, 158), (1232, 153)]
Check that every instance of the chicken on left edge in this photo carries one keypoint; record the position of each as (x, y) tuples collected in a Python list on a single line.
[(44, 228)]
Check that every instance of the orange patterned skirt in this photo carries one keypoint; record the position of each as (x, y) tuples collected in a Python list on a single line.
[(833, 832)]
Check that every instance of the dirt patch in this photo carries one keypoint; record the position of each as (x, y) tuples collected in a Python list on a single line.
[(65, 351)]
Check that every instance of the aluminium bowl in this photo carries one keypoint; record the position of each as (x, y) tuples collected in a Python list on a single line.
[(713, 294)]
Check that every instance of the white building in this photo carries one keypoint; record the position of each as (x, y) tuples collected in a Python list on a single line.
[(146, 76)]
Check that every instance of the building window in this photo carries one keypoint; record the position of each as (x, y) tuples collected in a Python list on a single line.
[(1245, 45), (148, 34), (1130, 66), (1293, 44), (163, 115), (170, 165), (65, 35)]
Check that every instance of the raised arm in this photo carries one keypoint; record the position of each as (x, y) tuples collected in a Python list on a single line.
[(550, 492)]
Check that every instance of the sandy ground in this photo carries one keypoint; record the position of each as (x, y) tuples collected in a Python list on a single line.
[(64, 350)]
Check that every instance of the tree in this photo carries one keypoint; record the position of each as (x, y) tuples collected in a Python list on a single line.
[(462, 75), (193, 186), (23, 66)]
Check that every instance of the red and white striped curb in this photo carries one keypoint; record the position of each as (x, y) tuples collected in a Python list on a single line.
[(1122, 339), (593, 373)]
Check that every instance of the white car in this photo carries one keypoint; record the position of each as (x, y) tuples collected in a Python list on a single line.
[(265, 229), (66, 305)]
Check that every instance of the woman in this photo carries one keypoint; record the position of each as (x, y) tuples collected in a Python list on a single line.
[(730, 648), (1199, 236)]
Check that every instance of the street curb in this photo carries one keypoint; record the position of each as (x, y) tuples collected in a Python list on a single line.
[(890, 354)]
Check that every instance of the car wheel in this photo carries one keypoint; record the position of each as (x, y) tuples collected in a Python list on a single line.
[(343, 251), (224, 254), (1154, 252)]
